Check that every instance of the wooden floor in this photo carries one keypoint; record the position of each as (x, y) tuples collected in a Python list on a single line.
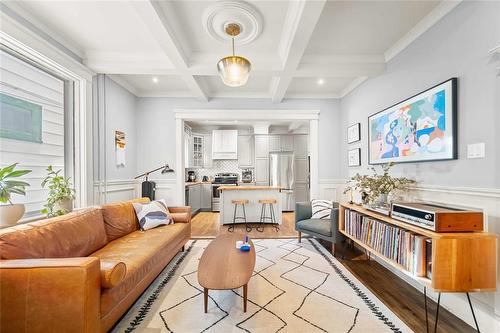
[(206, 225), (402, 298)]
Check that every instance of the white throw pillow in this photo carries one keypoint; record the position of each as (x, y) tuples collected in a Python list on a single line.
[(152, 214), (321, 209)]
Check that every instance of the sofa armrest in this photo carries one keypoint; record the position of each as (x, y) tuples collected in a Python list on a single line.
[(181, 214), (50, 295), (302, 211)]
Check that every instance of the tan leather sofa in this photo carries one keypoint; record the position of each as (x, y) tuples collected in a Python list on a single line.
[(81, 272)]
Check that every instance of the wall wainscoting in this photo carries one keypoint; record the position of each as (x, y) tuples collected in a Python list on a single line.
[(127, 189)]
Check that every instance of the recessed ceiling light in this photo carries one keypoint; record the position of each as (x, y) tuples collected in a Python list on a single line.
[(321, 82), (155, 79)]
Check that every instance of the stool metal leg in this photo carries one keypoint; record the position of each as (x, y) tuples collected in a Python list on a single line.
[(231, 227), (273, 218), (260, 228), (247, 226)]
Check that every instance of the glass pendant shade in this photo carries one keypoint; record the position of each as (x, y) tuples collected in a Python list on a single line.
[(234, 70)]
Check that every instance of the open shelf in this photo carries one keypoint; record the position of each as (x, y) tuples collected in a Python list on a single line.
[(461, 261)]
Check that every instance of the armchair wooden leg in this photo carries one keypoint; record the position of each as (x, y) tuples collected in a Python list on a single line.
[(300, 237), (333, 249)]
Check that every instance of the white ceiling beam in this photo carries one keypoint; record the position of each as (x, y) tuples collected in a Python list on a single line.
[(154, 18), (339, 70), (300, 22), (443, 8)]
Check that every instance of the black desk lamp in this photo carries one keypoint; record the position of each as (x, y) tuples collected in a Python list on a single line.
[(148, 187)]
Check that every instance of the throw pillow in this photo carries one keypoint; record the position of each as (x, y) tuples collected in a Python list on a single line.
[(321, 209), (152, 214)]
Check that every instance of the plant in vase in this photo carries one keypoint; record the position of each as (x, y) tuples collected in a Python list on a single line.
[(61, 194), (377, 187), (10, 213)]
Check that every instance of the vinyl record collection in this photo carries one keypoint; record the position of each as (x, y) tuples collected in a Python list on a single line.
[(402, 246)]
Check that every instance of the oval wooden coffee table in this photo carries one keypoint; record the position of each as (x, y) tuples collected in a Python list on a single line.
[(222, 266)]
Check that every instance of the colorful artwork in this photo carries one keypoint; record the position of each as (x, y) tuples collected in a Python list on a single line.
[(421, 128)]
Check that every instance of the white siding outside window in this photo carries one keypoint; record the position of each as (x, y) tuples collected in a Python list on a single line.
[(21, 80)]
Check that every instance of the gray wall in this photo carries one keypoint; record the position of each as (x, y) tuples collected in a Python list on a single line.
[(120, 116), (156, 128), (457, 46)]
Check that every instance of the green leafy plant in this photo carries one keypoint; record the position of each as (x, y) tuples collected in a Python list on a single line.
[(59, 191), (8, 185), (378, 185)]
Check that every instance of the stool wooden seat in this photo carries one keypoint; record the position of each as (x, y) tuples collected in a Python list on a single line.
[(267, 201), (240, 202)]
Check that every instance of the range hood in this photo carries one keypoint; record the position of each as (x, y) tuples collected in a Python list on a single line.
[(225, 145)]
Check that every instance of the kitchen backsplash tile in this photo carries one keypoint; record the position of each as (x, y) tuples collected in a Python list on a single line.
[(219, 166)]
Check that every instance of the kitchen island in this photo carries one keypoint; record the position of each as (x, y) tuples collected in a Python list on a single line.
[(253, 209)]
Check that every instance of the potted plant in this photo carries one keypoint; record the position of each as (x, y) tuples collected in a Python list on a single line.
[(10, 213), (61, 195), (375, 189)]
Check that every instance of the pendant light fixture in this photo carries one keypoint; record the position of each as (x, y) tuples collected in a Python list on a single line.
[(234, 70)]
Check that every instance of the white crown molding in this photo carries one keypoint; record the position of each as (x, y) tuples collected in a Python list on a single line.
[(246, 114), (443, 8), (124, 83)]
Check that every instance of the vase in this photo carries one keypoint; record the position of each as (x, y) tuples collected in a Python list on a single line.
[(382, 200), (11, 214), (66, 204)]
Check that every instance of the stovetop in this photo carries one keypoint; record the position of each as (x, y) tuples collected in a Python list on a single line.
[(226, 178)]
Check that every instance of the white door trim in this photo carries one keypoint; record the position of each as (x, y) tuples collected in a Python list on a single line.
[(182, 115)]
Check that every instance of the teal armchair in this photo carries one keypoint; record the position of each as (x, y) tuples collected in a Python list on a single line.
[(320, 228)]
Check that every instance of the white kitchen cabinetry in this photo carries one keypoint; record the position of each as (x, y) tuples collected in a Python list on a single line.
[(246, 150), (207, 151), (300, 170), (198, 151), (225, 144), (195, 198), (262, 170), (261, 146), (300, 146), (286, 143), (206, 196), (301, 192), (274, 143)]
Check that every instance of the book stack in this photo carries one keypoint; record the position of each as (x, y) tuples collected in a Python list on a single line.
[(400, 245)]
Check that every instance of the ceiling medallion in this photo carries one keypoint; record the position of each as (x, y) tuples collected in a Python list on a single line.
[(218, 16), (234, 70)]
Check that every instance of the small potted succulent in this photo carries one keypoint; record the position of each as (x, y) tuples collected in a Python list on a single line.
[(375, 189), (61, 194), (11, 213)]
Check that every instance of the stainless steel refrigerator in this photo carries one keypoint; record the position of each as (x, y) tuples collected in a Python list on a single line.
[(281, 174)]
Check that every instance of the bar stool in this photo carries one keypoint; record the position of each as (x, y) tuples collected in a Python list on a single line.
[(264, 217), (242, 203)]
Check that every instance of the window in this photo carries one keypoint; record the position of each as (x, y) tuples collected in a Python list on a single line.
[(32, 125)]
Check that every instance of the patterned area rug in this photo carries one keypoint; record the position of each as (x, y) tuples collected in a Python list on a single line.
[(296, 287)]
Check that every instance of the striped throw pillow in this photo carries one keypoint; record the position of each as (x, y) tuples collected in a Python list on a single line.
[(321, 209), (152, 214)]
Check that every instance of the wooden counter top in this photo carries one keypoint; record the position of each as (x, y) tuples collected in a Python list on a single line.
[(248, 188), (196, 183)]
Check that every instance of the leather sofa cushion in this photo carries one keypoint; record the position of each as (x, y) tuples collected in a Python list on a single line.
[(141, 251), (76, 234), (120, 218), (320, 226), (112, 273)]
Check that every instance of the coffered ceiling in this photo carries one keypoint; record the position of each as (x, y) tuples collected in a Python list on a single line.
[(298, 48)]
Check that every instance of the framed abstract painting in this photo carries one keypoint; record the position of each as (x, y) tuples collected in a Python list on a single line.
[(420, 128)]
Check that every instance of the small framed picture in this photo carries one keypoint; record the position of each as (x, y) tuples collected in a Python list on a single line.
[(354, 157), (354, 133)]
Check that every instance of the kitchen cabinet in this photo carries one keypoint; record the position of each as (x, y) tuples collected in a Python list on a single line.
[(195, 198), (286, 143), (246, 150), (301, 192), (198, 151), (206, 196), (274, 143), (301, 170), (207, 151), (262, 170), (261, 146), (300, 148), (224, 144)]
